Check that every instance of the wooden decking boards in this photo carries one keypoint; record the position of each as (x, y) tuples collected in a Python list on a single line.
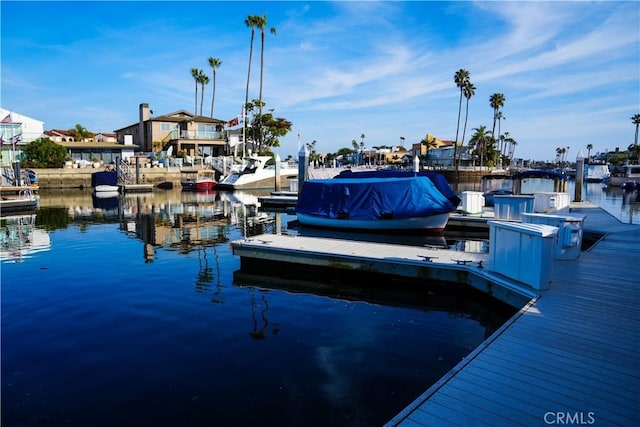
[(571, 354)]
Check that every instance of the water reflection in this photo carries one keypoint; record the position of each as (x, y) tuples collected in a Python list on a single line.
[(20, 238), (182, 221)]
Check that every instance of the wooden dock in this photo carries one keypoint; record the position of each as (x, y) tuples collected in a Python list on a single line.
[(570, 356)]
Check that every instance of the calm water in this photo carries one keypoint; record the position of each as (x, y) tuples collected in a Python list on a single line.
[(133, 313), (129, 314)]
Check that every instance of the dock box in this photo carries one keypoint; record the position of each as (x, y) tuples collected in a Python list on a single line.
[(509, 207), (523, 252), (550, 202), (472, 202), (570, 227)]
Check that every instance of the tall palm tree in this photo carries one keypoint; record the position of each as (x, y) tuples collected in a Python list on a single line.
[(635, 119), (195, 73), (251, 21), (496, 101), (461, 79), (468, 90), (261, 22), (589, 148), (214, 63), (203, 79), (479, 140)]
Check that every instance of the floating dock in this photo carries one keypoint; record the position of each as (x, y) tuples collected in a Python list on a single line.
[(570, 353)]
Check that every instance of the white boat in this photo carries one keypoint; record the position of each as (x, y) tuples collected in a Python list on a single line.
[(626, 174), (24, 201), (385, 202), (596, 172), (257, 174)]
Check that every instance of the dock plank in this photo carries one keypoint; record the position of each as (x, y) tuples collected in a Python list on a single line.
[(574, 351)]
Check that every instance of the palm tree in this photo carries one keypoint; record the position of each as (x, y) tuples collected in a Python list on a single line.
[(203, 79), (362, 147), (479, 140), (461, 79), (469, 90), (214, 63), (589, 148), (496, 101), (261, 22), (429, 142), (195, 73), (635, 119), (79, 133), (252, 22)]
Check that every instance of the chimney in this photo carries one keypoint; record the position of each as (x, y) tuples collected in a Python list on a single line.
[(142, 135)]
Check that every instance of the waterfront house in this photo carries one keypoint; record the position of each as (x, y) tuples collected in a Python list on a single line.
[(186, 134), (16, 131)]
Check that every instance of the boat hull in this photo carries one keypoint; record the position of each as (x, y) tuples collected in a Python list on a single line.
[(19, 204), (106, 188), (198, 186), (256, 182), (431, 223)]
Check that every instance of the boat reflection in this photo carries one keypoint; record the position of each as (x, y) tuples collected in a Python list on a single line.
[(20, 238)]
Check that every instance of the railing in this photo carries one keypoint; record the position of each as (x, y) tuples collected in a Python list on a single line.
[(125, 174), (195, 135)]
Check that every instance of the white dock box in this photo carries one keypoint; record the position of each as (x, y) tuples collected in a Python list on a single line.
[(472, 202), (549, 202), (523, 252), (509, 207), (570, 227)]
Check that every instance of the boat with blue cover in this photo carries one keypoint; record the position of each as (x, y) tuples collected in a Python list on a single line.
[(105, 182), (377, 201)]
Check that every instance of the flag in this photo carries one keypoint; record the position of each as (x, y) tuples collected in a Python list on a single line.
[(16, 138), (7, 119), (1, 141), (233, 122)]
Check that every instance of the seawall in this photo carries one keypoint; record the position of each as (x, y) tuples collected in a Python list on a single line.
[(81, 177)]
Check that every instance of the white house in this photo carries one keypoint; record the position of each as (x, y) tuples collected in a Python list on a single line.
[(17, 130)]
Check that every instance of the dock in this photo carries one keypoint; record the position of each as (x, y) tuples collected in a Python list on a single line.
[(569, 356)]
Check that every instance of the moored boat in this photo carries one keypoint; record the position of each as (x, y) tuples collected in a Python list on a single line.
[(596, 172), (624, 174), (257, 174), (375, 204), (105, 181), (200, 179), (25, 201)]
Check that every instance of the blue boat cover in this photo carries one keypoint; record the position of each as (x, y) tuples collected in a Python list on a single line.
[(372, 198), (104, 178), (438, 179)]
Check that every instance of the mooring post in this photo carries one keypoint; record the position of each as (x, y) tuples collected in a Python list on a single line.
[(577, 197), (303, 166), (277, 183), (416, 164), (137, 170)]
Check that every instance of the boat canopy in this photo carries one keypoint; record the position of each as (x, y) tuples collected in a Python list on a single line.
[(104, 178), (437, 179), (372, 198)]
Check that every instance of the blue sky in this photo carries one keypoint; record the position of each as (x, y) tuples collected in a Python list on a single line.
[(569, 71)]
